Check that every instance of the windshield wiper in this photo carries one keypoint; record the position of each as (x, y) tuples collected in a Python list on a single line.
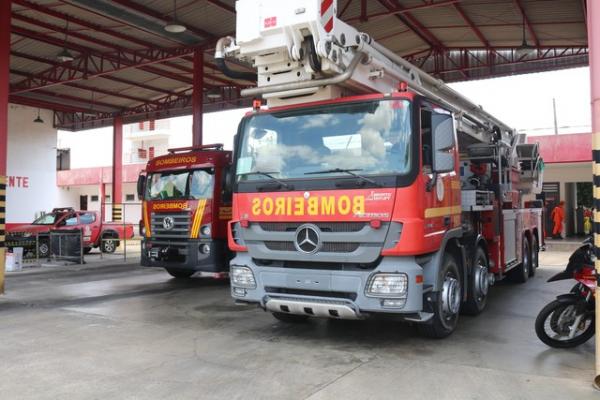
[(268, 175), (345, 171)]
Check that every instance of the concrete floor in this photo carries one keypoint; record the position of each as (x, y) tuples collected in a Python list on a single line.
[(131, 333)]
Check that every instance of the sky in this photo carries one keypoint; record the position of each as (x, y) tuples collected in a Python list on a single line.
[(521, 101)]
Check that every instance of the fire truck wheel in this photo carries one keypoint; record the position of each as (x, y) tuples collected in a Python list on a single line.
[(478, 285), (535, 249), (180, 273), (520, 274), (44, 248), (446, 306), (290, 318)]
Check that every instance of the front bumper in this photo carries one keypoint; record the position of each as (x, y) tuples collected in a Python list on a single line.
[(188, 257), (329, 293)]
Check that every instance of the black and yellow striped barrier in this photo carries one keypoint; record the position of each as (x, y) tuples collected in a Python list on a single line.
[(117, 212), (2, 231)]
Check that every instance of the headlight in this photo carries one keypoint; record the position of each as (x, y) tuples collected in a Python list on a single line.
[(204, 249), (27, 234), (143, 231), (205, 230), (388, 285), (242, 277)]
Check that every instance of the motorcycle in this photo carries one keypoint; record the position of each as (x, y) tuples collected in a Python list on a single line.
[(570, 320)]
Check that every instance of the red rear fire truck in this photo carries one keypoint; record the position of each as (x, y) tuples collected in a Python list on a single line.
[(367, 186), (185, 209)]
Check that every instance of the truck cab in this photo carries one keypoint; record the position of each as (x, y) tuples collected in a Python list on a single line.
[(186, 204)]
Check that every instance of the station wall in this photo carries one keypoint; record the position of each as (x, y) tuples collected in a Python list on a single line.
[(31, 186)]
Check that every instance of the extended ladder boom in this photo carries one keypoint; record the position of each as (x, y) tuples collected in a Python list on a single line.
[(303, 52)]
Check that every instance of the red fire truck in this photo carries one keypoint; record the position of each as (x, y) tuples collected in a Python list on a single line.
[(368, 187), (185, 209)]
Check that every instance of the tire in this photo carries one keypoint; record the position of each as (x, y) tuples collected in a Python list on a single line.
[(552, 313), (87, 250), (108, 245), (535, 252), (520, 274), (44, 248), (180, 273), (446, 306), (477, 293), (290, 318)]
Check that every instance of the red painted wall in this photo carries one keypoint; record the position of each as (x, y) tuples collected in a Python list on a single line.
[(97, 175), (575, 147)]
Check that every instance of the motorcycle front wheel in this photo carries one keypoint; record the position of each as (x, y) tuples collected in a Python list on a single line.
[(565, 324)]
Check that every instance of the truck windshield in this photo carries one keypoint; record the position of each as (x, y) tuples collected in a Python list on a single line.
[(47, 219), (193, 185), (371, 137)]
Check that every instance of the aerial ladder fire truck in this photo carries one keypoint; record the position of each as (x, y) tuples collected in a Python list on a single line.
[(366, 186)]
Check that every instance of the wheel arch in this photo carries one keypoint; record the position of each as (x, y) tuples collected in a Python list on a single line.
[(109, 234), (450, 243)]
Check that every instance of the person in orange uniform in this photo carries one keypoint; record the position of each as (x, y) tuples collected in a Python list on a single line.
[(558, 215)]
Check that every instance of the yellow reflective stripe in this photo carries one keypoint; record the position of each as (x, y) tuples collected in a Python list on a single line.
[(2, 180), (442, 211), (198, 218), (146, 222)]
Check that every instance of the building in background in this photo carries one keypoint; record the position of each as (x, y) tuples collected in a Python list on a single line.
[(86, 182), (567, 176)]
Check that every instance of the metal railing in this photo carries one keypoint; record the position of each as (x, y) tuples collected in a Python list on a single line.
[(119, 213)]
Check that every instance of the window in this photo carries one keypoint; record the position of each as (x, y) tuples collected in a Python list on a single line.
[(129, 197), (63, 159), (94, 198), (71, 221), (87, 218), (202, 185), (372, 137), (426, 151), (46, 219), (167, 185)]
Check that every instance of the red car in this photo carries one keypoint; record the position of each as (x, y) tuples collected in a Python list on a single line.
[(95, 232)]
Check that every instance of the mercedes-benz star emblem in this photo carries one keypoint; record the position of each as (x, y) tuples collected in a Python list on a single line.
[(168, 223), (307, 239)]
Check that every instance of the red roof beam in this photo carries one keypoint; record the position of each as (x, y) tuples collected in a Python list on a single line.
[(32, 102), (527, 23), (81, 22), (411, 22), (93, 62), (382, 14), (469, 22)]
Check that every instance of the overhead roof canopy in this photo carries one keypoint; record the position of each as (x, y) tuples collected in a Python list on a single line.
[(126, 63)]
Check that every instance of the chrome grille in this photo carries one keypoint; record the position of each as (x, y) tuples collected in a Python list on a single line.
[(335, 227), (181, 228), (328, 247)]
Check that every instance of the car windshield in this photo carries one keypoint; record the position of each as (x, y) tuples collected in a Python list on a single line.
[(372, 138), (180, 185), (47, 219)]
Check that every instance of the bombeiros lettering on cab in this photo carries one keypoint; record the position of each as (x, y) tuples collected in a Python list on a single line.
[(176, 160), (312, 206), (180, 205)]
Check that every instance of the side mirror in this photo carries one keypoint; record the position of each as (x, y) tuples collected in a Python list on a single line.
[(141, 186), (443, 142)]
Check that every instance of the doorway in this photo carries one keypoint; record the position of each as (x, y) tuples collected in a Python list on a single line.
[(83, 202), (551, 192)]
